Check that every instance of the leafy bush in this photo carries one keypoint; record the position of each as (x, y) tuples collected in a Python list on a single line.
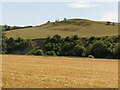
[(7, 28), (51, 53), (79, 50), (116, 51), (89, 49), (75, 37), (66, 49), (2, 52), (4, 44), (10, 45), (36, 51), (90, 56), (99, 49), (39, 52)]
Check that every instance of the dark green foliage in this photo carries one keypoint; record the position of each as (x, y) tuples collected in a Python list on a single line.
[(10, 45), (116, 51), (88, 49), (50, 46), (51, 53), (17, 44), (36, 51), (67, 39), (48, 22), (79, 51), (53, 44), (2, 52), (4, 44), (91, 38), (39, 52), (57, 37), (32, 52), (75, 37), (66, 49), (7, 28), (98, 47), (65, 19), (90, 56)]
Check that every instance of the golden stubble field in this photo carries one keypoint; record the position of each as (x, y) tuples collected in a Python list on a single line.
[(58, 72)]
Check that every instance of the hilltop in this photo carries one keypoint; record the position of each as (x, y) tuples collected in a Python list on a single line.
[(80, 27)]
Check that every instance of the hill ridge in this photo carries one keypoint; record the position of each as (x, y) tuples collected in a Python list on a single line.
[(68, 27)]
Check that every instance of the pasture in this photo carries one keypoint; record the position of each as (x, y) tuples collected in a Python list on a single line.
[(80, 27)]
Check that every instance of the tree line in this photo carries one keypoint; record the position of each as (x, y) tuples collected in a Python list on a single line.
[(92, 47), (11, 45), (98, 47), (7, 28)]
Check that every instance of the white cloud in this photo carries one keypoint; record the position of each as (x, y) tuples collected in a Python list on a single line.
[(81, 4), (110, 16)]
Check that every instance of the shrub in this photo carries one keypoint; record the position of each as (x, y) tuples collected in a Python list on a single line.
[(48, 22), (67, 39), (116, 51), (10, 45), (99, 49), (66, 49), (57, 37), (50, 46), (51, 53), (39, 52), (3, 42), (2, 52), (36, 51), (75, 37), (79, 50), (88, 50), (31, 52), (90, 56)]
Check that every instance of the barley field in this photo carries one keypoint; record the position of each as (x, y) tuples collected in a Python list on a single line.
[(58, 72)]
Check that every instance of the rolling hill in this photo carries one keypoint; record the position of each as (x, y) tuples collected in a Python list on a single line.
[(80, 27)]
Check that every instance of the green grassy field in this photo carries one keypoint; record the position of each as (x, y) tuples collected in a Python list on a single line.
[(80, 27)]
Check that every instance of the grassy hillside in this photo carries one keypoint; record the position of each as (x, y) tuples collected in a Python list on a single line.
[(58, 72), (81, 27)]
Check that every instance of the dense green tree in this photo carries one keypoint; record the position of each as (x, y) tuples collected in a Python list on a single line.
[(75, 37), (10, 45), (99, 49), (116, 51), (91, 38), (66, 49), (3, 43), (88, 50), (79, 50), (58, 37), (67, 39), (50, 46)]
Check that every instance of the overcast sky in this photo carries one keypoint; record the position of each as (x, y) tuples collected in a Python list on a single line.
[(36, 13)]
